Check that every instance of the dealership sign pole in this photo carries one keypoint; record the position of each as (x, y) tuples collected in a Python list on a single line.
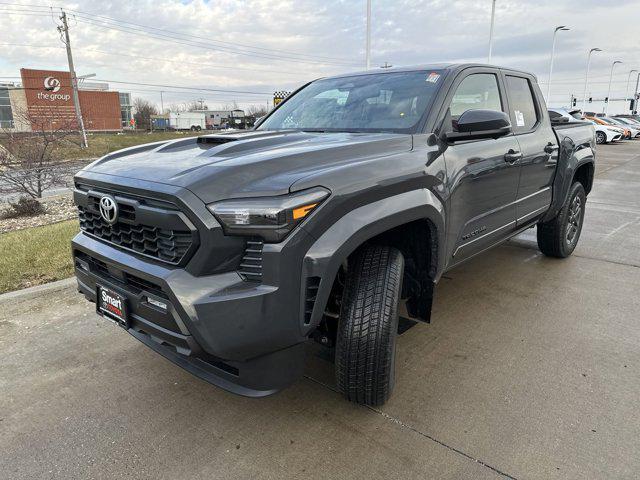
[(74, 79)]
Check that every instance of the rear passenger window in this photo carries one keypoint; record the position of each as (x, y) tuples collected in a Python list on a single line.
[(478, 91), (523, 108)]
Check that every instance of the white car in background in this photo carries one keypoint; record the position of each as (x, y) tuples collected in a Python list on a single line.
[(565, 115), (629, 124), (607, 133)]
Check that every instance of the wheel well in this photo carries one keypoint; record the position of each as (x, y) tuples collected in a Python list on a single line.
[(584, 175), (418, 242)]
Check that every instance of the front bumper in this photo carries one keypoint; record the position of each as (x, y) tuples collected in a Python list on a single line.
[(244, 337)]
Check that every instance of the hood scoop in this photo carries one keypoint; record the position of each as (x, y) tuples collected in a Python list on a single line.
[(212, 140)]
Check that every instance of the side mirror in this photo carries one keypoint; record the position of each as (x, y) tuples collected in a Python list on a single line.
[(478, 124)]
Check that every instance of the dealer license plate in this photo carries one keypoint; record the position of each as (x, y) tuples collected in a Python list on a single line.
[(112, 305)]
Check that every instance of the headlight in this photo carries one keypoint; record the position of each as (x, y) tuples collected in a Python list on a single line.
[(271, 218)]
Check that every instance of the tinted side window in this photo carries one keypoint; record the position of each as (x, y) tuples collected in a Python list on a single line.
[(554, 115), (523, 108), (478, 91)]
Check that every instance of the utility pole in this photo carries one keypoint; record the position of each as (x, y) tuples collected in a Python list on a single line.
[(161, 104), (368, 43), (493, 17), (74, 80)]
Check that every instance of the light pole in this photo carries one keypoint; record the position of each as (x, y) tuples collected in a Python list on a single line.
[(561, 28), (606, 106), (586, 79), (626, 90), (635, 92), (493, 17), (368, 40)]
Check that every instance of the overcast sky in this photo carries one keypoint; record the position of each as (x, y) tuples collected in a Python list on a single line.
[(265, 45)]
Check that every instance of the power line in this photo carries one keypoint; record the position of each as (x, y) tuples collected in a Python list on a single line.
[(209, 40), (180, 38), (174, 40), (251, 69), (92, 15)]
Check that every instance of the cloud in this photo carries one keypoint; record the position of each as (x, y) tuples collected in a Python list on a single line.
[(268, 45)]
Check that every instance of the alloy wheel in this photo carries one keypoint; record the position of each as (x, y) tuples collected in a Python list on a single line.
[(574, 221)]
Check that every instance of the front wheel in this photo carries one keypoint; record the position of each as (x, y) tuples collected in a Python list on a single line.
[(366, 340), (601, 137), (559, 236)]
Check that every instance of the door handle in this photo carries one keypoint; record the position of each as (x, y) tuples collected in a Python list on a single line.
[(512, 156), (550, 148)]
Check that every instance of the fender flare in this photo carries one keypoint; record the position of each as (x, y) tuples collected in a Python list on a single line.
[(571, 159), (327, 254)]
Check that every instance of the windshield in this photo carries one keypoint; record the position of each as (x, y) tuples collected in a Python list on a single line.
[(610, 120), (386, 102)]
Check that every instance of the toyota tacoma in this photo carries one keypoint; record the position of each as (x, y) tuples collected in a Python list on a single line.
[(331, 220)]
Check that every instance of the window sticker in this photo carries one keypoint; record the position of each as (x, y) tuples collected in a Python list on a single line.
[(519, 118), (433, 77)]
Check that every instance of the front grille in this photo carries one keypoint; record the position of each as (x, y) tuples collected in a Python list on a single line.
[(167, 245), (251, 264), (147, 226)]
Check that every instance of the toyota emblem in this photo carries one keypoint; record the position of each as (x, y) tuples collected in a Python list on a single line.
[(109, 209)]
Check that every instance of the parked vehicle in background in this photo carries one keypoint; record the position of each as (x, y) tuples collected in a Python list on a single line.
[(339, 213), (634, 131), (633, 125), (626, 132), (160, 122), (606, 133), (564, 115), (194, 121), (635, 118), (220, 119)]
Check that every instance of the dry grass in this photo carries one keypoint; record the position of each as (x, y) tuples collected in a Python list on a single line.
[(102, 143), (36, 255)]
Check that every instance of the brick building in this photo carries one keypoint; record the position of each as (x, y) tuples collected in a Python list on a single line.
[(45, 100)]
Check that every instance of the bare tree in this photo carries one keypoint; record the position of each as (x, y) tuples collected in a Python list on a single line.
[(29, 163), (257, 111), (144, 109)]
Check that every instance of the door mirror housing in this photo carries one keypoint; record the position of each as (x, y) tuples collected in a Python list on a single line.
[(479, 124)]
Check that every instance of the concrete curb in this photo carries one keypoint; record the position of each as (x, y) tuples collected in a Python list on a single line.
[(31, 292)]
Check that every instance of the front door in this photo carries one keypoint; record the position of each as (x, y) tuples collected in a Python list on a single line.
[(482, 174)]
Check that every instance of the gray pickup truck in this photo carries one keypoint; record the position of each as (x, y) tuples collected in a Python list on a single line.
[(334, 217)]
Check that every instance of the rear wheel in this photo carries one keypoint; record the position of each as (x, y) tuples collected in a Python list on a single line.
[(366, 340), (559, 236), (601, 137)]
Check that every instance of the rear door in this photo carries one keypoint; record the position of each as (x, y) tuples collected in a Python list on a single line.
[(538, 144), (482, 174)]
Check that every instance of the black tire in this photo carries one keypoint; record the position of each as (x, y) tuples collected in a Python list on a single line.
[(601, 137), (366, 339), (559, 236)]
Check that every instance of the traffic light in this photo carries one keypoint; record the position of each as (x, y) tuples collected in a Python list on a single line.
[(606, 99), (573, 104), (632, 104), (590, 99)]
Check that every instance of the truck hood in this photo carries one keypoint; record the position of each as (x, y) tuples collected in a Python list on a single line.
[(246, 164)]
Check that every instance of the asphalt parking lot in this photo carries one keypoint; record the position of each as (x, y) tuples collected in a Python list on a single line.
[(530, 369)]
